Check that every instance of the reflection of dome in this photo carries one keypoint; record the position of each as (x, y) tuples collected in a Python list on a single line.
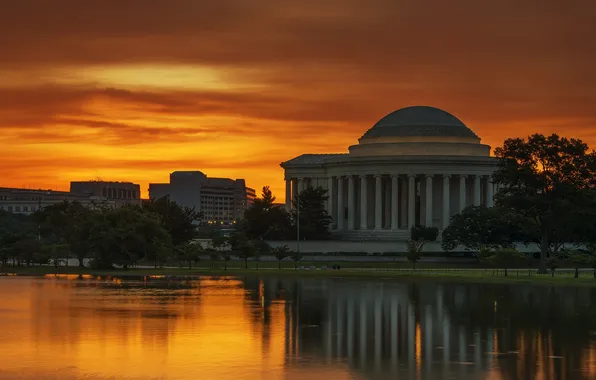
[(419, 121)]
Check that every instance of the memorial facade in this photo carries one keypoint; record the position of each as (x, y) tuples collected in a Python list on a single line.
[(416, 166)]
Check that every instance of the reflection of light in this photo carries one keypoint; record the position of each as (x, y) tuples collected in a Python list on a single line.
[(539, 355), (418, 343), (69, 276), (495, 307), (551, 362), (133, 334), (589, 362)]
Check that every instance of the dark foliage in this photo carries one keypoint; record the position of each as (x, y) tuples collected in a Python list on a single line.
[(310, 212), (550, 182)]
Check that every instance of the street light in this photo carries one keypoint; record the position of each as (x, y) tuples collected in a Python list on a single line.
[(298, 226)]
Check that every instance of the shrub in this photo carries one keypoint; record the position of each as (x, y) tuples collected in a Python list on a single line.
[(424, 233)]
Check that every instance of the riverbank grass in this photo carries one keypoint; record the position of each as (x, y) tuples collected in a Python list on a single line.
[(479, 275)]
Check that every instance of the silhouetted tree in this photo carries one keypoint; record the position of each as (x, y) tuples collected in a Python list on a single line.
[(125, 235), (281, 253), (314, 218), (180, 222), (550, 182), (480, 226), (264, 220), (66, 224)]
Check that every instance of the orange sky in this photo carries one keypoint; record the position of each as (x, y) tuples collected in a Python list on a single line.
[(132, 90)]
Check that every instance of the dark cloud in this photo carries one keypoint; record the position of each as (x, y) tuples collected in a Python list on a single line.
[(375, 33), (326, 70)]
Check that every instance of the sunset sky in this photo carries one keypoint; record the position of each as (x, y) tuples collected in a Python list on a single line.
[(131, 90)]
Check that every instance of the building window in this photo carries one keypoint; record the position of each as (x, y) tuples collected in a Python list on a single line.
[(9, 208), (17, 208), (26, 208)]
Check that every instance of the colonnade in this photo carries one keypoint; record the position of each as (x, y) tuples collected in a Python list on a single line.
[(394, 201)]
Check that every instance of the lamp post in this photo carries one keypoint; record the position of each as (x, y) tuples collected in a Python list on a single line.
[(297, 230)]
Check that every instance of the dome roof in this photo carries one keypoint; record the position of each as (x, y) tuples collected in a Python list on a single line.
[(419, 121)]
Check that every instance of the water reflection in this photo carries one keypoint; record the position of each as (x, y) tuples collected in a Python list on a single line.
[(252, 328)]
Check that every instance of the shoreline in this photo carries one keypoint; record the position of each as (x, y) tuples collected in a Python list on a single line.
[(480, 276)]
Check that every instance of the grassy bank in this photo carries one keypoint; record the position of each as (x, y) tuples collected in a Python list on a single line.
[(481, 275)]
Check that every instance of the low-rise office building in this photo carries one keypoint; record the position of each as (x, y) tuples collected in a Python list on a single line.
[(220, 200), (121, 193), (26, 201)]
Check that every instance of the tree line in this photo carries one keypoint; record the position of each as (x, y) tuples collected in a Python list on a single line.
[(546, 197), (157, 232), (106, 236)]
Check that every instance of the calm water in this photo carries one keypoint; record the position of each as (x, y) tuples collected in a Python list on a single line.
[(252, 328)]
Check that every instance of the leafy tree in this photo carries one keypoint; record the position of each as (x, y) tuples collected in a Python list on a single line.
[(246, 250), (261, 246), (281, 253), (480, 226), (257, 258), (550, 182), (592, 263), (125, 235), (311, 213), (219, 242), (264, 220), (225, 255), (420, 235), (214, 256), (577, 259), (553, 262), (413, 252), (16, 231), (189, 252), (158, 255), (504, 258), (66, 223), (27, 249), (54, 252), (179, 222), (296, 257)]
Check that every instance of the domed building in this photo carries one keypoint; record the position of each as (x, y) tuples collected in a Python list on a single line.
[(416, 166)]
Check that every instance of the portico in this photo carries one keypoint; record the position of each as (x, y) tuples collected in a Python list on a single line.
[(416, 166)]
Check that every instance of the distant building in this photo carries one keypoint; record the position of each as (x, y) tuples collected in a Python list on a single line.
[(221, 200), (122, 193), (26, 201)]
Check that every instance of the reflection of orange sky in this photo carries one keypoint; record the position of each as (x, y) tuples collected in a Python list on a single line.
[(129, 93), (205, 334)]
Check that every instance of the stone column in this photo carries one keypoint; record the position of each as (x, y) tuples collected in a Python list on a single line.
[(446, 199), (411, 200), (490, 192), (477, 190), (300, 185), (394, 202), (294, 188), (288, 195), (378, 202), (429, 201), (363, 203), (331, 200), (462, 192), (340, 203), (351, 204)]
